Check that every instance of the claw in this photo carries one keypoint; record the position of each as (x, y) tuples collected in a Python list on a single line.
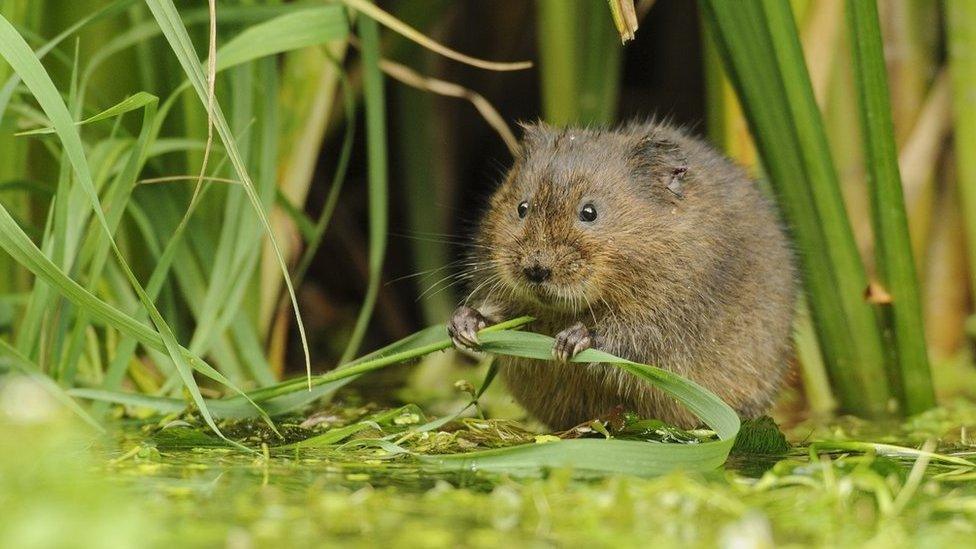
[(463, 327), (570, 342)]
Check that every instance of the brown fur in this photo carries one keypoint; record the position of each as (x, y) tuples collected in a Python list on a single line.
[(697, 278)]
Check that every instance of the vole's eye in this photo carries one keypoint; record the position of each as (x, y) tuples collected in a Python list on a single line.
[(523, 208), (588, 213)]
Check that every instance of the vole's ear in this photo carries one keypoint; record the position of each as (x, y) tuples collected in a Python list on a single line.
[(660, 160), (534, 134)]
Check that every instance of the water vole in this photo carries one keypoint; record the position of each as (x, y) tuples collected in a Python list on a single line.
[(646, 243)]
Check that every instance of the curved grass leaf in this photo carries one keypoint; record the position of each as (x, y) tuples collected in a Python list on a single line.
[(617, 456), (608, 456), (301, 28), (367, 8), (129, 104)]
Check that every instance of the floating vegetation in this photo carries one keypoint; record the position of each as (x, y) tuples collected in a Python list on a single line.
[(156, 194), (168, 481)]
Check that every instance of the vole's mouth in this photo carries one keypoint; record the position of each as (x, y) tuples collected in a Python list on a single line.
[(553, 296)]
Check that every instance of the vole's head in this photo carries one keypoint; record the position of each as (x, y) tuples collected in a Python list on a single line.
[(578, 213)]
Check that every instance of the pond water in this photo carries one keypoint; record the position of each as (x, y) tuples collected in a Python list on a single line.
[(61, 485)]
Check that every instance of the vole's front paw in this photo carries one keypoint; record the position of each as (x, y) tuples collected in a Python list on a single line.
[(464, 325), (571, 341)]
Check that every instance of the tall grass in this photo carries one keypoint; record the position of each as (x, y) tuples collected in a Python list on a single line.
[(376, 149), (896, 266), (141, 273), (579, 62), (208, 228), (54, 334), (961, 26), (761, 48)]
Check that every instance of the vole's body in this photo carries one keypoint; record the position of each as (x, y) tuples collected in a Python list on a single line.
[(685, 266)]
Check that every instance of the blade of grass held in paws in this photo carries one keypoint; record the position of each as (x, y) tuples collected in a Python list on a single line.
[(619, 456), (633, 457), (596, 455), (896, 266)]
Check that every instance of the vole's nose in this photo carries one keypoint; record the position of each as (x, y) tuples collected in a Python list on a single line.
[(536, 273)]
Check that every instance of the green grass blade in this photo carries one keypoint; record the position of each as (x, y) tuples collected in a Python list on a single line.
[(129, 104), (580, 62), (376, 150), (168, 19), (758, 43), (842, 250), (306, 27), (961, 31), (896, 266), (607, 456), (15, 50)]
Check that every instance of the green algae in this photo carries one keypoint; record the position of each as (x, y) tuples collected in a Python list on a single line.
[(166, 481)]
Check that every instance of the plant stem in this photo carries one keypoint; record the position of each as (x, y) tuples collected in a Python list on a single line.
[(377, 157), (759, 43), (961, 31), (557, 21), (895, 263)]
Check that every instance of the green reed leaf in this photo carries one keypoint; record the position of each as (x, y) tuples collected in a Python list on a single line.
[(893, 249)]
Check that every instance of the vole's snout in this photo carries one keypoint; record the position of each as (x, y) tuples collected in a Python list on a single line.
[(536, 273)]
